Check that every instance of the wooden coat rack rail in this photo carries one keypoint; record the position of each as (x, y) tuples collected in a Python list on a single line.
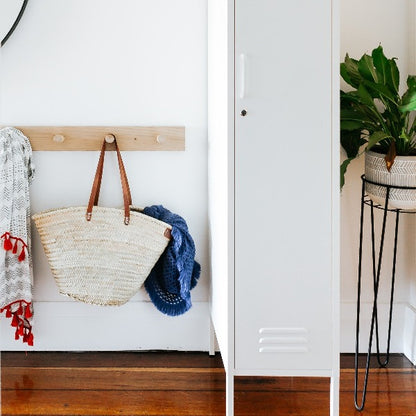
[(74, 138)]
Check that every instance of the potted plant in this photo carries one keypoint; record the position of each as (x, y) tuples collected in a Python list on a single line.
[(378, 121)]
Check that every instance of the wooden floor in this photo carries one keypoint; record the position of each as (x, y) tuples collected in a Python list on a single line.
[(178, 384)]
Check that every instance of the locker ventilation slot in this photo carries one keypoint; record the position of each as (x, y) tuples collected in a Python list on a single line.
[(278, 340)]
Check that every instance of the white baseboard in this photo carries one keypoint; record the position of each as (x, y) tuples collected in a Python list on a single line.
[(409, 334), (348, 323), (74, 326)]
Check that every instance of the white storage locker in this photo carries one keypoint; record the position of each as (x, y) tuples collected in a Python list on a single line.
[(273, 182)]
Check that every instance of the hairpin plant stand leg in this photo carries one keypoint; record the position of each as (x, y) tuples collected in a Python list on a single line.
[(376, 266)]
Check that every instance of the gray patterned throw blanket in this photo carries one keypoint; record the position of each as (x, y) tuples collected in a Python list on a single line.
[(16, 276)]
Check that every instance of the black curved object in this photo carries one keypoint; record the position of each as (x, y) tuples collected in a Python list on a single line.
[(376, 266), (16, 22)]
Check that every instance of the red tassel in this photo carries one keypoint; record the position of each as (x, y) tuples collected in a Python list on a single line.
[(16, 335), (30, 340), (25, 337), (21, 329), (15, 321), (8, 313), (28, 312), (22, 255), (20, 310), (15, 248), (7, 243)]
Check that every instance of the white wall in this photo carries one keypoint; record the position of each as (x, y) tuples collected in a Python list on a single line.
[(113, 62), (364, 25), (135, 62)]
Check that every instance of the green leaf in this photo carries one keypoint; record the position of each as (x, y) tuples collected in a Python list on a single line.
[(365, 121), (411, 82), (410, 106), (365, 96), (405, 136), (381, 64), (351, 141), (351, 68), (393, 75), (366, 68), (352, 100), (387, 71), (349, 98), (413, 127), (380, 90), (351, 125), (348, 114), (409, 97), (376, 137), (345, 75), (343, 170)]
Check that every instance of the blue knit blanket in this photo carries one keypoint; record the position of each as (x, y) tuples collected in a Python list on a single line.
[(176, 272)]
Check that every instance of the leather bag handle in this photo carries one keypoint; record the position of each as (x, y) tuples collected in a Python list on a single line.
[(96, 186)]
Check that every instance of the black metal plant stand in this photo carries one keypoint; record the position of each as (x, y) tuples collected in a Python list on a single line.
[(376, 265)]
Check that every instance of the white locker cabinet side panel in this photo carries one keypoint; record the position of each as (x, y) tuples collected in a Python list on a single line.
[(221, 172), (283, 185)]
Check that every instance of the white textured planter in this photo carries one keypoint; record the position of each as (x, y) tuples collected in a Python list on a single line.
[(402, 173)]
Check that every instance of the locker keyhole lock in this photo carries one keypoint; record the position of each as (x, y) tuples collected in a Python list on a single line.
[(243, 113)]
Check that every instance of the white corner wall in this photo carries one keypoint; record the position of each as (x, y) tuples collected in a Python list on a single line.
[(112, 62), (364, 25)]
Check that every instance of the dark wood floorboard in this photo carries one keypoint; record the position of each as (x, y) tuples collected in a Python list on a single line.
[(181, 384), (111, 359)]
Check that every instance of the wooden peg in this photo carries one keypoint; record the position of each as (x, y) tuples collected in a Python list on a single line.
[(58, 138), (160, 139), (109, 138)]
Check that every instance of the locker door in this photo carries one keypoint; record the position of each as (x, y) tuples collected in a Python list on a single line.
[(283, 185)]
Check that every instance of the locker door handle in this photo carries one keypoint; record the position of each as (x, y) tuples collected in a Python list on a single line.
[(243, 64)]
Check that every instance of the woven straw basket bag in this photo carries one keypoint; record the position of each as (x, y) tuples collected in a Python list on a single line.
[(101, 255)]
